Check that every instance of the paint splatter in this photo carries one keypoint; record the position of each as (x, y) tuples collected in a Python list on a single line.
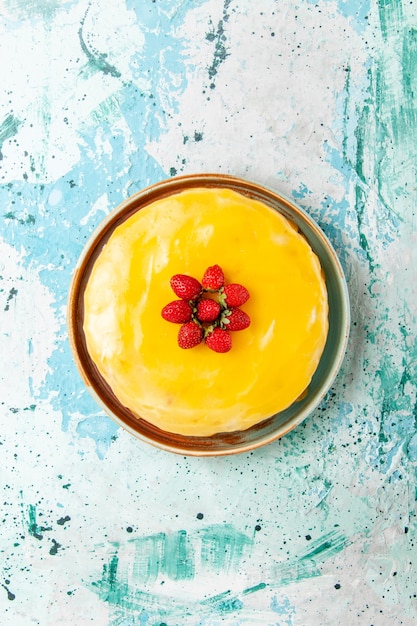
[(12, 294), (97, 60), (217, 36), (54, 548), (35, 529), (10, 596)]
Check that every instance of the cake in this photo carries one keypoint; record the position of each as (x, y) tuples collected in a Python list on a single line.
[(200, 392)]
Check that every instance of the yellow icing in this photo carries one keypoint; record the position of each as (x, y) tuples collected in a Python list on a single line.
[(197, 391)]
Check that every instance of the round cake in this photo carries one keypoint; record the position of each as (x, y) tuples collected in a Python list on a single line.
[(200, 391)]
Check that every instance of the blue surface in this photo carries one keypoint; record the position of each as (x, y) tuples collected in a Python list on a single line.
[(314, 100)]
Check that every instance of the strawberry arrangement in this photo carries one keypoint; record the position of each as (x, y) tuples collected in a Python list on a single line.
[(207, 311)]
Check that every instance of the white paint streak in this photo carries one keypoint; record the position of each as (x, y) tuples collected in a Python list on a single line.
[(28, 330)]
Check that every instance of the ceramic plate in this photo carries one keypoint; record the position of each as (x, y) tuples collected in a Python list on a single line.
[(268, 430)]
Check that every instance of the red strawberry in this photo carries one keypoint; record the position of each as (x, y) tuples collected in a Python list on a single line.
[(208, 310), (219, 340), (185, 287), (178, 312), (190, 335), (234, 295), (236, 319), (213, 278)]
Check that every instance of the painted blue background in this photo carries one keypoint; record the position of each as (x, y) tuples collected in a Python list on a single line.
[(316, 101)]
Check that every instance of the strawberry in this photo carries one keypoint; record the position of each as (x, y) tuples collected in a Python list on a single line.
[(213, 278), (234, 295), (190, 335), (219, 340), (178, 312), (185, 287), (236, 319), (208, 310)]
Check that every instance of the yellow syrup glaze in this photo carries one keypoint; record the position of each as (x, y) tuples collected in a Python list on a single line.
[(197, 391)]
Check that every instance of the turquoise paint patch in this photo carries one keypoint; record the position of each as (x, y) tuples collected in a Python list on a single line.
[(30, 9), (222, 547), (219, 548), (388, 120), (390, 16), (398, 400), (360, 209), (160, 555), (35, 529), (307, 564), (283, 607), (253, 589), (409, 61), (101, 429), (301, 193), (179, 556), (8, 129), (357, 12), (178, 561), (148, 558), (412, 449), (365, 173), (223, 604)]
